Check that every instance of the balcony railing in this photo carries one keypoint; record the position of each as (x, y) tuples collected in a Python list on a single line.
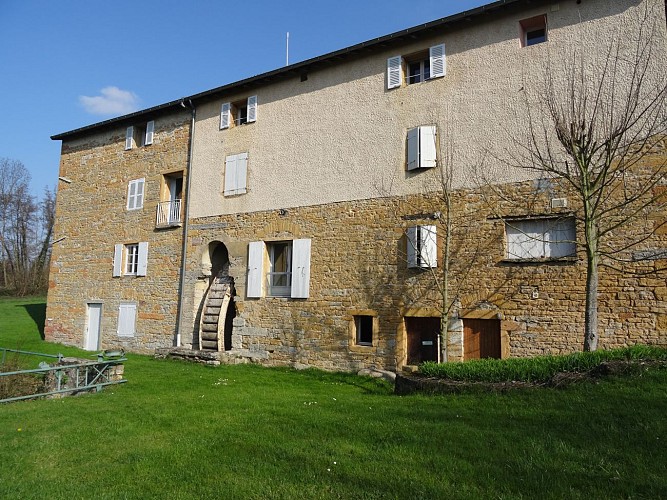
[(168, 213)]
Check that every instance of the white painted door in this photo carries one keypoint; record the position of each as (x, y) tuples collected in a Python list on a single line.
[(92, 339)]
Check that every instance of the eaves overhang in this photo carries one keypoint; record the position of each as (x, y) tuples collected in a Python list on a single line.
[(336, 57)]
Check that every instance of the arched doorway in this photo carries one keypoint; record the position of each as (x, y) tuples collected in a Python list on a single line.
[(218, 310)]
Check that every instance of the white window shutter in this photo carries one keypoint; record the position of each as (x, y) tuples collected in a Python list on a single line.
[(142, 265), (413, 148), (117, 260), (301, 269), (127, 314), (437, 60), (427, 147), (255, 271), (412, 239), (241, 172), (150, 128), (252, 108), (230, 175), (129, 135), (225, 114), (428, 246), (139, 193), (131, 194), (394, 77)]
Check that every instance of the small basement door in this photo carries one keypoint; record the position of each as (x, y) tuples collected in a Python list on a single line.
[(422, 336), (481, 338)]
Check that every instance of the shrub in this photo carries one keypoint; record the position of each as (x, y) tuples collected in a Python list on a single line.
[(537, 369)]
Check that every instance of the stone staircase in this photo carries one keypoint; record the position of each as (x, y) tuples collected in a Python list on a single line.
[(212, 322)]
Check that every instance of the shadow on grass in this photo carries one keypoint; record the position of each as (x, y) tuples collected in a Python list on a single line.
[(38, 314)]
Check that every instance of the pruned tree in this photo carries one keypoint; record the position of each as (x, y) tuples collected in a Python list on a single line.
[(600, 127)]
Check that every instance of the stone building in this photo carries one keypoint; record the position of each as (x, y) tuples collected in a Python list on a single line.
[(296, 217)]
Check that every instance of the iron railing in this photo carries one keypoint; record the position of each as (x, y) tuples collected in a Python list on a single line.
[(168, 213)]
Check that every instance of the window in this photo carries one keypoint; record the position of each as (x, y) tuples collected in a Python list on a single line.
[(422, 248), (130, 259), (549, 238), (139, 135), (279, 277), (238, 112), (171, 197), (236, 168), (533, 30), (363, 327), (282, 268), (127, 315), (135, 194), (416, 68), (422, 147)]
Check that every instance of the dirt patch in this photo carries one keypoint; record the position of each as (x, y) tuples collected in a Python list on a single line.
[(413, 383)]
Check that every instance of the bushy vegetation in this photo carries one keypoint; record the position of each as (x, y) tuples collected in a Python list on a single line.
[(537, 369)]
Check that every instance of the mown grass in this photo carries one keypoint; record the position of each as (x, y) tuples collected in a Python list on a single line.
[(537, 369), (178, 430)]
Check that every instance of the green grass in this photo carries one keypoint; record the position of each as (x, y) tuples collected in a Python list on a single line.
[(536, 369), (179, 431)]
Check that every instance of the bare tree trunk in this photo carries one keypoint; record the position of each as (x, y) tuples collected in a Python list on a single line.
[(591, 315)]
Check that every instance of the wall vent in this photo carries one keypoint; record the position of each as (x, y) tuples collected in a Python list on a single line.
[(558, 202)]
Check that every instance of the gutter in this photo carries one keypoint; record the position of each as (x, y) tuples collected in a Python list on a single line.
[(186, 103)]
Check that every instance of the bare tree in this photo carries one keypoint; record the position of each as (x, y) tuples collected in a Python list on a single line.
[(598, 126), (25, 230)]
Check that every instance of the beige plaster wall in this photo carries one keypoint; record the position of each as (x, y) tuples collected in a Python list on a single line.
[(341, 134)]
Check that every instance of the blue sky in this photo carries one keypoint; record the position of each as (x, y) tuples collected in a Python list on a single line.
[(70, 63)]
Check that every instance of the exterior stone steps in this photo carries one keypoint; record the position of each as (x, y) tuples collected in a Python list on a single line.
[(211, 327)]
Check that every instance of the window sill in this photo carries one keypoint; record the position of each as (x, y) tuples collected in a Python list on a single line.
[(360, 348), (547, 260)]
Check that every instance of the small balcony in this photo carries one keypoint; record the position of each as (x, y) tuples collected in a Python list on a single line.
[(168, 214)]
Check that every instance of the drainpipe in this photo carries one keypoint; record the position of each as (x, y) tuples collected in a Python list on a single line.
[(186, 222)]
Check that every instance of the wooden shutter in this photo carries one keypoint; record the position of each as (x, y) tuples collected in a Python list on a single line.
[(394, 72), (117, 260), (225, 113), (230, 175), (131, 194), (139, 193), (150, 127), (127, 314), (129, 135), (561, 238), (241, 172), (300, 269), (252, 108), (428, 246), (255, 273), (413, 149), (142, 265), (437, 60), (427, 147), (412, 240)]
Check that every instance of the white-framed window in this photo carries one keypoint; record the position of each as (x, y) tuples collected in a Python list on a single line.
[(363, 330), (135, 194), (279, 268), (130, 259), (422, 147), (236, 173), (127, 317), (422, 250), (533, 30), (238, 112), (139, 135), (547, 238), (416, 68)]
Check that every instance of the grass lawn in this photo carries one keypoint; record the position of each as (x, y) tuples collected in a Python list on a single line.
[(178, 430)]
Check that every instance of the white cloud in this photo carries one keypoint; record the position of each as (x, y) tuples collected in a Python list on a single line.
[(112, 101)]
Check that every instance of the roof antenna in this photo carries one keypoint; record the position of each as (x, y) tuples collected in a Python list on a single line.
[(287, 55)]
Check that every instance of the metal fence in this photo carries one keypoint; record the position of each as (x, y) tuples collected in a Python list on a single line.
[(68, 378)]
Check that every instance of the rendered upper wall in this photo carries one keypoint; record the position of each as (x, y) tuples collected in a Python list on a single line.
[(340, 135)]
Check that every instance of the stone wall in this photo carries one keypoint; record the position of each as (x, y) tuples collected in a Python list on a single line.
[(91, 217)]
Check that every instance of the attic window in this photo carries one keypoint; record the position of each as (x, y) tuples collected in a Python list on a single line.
[(533, 30), (416, 68), (238, 112)]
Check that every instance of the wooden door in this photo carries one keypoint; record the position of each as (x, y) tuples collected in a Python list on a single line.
[(481, 338), (422, 339), (94, 317)]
